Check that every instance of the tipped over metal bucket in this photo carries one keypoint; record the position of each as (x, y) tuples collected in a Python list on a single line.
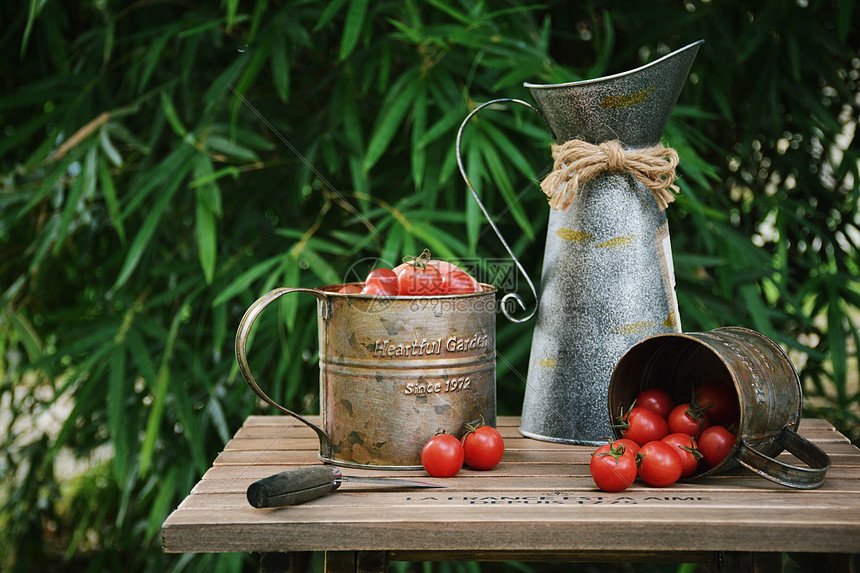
[(761, 374)]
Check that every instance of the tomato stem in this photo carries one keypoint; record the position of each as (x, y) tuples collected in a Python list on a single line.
[(419, 262), (472, 427)]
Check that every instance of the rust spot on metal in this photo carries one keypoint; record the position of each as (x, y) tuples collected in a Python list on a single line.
[(548, 363), (574, 236), (636, 327), (622, 101), (616, 242)]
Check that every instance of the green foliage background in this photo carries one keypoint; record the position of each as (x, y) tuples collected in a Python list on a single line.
[(162, 164)]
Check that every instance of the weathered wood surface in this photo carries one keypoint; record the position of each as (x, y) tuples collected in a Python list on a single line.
[(540, 499)]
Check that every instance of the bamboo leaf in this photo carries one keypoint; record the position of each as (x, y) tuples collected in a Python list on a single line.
[(836, 339), (165, 493), (209, 178), (394, 109), (243, 282), (48, 183), (513, 199), (33, 11), (280, 67), (108, 190), (208, 208), (172, 116), (153, 57), (109, 149), (224, 83), (82, 187), (162, 385), (219, 420), (755, 306), (289, 304), (27, 334), (148, 229), (393, 246), (230, 148), (353, 27), (419, 154), (232, 9), (117, 419), (320, 267), (332, 9), (206, 237)]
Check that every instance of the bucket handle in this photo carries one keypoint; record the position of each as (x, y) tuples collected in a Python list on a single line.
[(324, 308), (511, 295), (787, 474)]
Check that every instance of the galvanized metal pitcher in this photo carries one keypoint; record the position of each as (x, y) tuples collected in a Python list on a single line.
[(608, 279)]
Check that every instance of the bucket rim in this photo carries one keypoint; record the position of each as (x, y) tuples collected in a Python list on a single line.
[(488, 289)]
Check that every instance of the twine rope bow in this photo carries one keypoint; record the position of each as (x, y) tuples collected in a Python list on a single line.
[(577, 162)]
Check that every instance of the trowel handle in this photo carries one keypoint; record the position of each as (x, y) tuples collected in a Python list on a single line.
[(293, 487), (512, 295), (241, 344)]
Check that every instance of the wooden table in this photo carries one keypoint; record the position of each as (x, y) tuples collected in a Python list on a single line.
[(539, 504)]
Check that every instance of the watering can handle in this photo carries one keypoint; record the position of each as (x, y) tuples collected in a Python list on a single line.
[(787, 474), (324, 308), (511, 295)]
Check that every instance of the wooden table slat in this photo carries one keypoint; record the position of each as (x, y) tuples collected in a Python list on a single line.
[(540, 500)]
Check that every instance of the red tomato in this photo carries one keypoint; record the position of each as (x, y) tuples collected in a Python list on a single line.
[(716, 443), (417, 278), (379, 289), (719, 401), (643, 425), (613, 467), (483, 448), (444, 268), (350, 289), (629, 445), (415, 281), (655, 399), (457, 282), (659, 464), (687, 450), (684, 419), (442, 456), (384, 277)]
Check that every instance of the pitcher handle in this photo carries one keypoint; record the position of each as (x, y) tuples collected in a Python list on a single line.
[(324, 308), (787, 474), (511, 295)]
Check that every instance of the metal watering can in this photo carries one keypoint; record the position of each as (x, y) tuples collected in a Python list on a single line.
[(393, 371), (608, 278)]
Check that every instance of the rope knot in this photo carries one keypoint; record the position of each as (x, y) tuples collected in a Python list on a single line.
[(615, 159), (577, 162)]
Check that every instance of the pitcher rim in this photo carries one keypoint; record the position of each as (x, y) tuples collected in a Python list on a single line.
[(614, 76)]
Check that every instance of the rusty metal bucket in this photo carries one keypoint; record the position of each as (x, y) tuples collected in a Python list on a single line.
[(393, 371), (767, 386)]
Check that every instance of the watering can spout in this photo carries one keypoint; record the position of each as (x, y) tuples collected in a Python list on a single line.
[(632, 107)]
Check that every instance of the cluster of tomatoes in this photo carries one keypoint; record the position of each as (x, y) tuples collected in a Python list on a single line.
[(417, 276), (662, 442), (480, 448)]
